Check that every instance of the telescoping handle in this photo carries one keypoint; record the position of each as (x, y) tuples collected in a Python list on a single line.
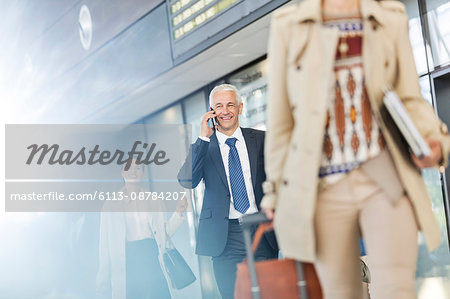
[(301, 283), (248, 221)]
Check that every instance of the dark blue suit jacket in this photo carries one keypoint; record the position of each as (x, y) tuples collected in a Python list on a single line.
[(205, 162)]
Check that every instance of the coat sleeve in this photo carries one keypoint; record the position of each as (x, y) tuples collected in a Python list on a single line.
[(103, 280), (280, 122), (174, 223), (191, 173), (408, 89)]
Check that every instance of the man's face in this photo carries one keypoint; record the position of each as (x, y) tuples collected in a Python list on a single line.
[(227, 110)]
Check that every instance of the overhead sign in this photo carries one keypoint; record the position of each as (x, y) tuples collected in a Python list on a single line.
[(186, 15)]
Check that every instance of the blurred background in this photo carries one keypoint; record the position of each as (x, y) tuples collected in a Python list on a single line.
[(154, 62)]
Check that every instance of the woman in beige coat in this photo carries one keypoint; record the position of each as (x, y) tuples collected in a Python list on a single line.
[(335, 163)]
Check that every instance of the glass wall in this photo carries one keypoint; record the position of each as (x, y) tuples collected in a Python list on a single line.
[(437, 25), (252, 84), (433, 269), (194, 107), (415, 35)]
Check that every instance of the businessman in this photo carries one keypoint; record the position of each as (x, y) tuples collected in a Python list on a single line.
[(230, 160)]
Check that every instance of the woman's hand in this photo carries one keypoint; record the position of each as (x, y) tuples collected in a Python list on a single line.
[(433, 159), (269, 213), (182, 206)]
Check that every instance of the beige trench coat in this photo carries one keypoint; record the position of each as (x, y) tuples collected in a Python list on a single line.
[(301, 60)]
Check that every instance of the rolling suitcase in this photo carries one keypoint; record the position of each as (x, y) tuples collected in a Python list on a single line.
[(271, 279)]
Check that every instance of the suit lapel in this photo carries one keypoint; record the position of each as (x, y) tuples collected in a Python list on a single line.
[(250, 142), (216, 157)]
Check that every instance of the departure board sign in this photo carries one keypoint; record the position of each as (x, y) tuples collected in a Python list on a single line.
[(186, 15)]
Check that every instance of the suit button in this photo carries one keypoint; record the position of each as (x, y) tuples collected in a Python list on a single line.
[(285, 182), (298, 67), (386, 64)]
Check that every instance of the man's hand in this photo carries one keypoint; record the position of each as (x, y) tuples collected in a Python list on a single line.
[(206, 131), (433, 159)]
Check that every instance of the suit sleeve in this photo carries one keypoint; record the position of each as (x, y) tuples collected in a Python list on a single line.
[(280, 121), (408, 89), (191, 173)]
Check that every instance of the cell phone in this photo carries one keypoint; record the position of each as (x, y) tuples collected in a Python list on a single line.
[(213, 120)]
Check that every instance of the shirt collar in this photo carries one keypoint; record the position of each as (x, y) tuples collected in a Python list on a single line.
[(221, 138)]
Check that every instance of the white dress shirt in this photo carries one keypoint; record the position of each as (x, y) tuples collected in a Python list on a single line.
[(245, 164)]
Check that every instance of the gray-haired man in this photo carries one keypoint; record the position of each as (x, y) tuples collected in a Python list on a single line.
[(230, 160)]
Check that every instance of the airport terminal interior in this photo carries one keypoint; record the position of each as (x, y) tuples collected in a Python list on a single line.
[(155, 62)]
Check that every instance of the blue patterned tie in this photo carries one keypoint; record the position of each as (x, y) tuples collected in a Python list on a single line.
[(238, 189)]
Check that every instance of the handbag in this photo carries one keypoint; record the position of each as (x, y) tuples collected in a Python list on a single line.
[(283, 278), (178, 271)]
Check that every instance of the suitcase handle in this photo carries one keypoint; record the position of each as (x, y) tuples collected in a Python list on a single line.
[(248, 221), (265, 225), (253, 219)]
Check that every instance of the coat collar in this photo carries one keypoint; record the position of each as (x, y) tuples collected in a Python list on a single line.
[(311, 11)]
